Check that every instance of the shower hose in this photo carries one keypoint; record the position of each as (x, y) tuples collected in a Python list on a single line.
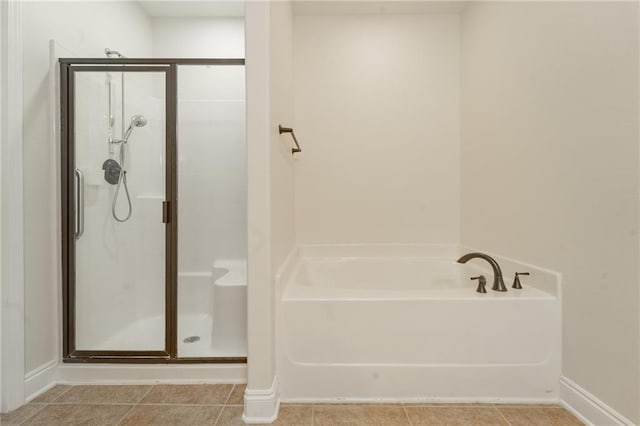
[(122, 180)]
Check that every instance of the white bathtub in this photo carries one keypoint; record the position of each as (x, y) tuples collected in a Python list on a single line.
[(404, 323)]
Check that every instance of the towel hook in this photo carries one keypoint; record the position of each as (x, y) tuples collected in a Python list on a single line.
[(293, 135)]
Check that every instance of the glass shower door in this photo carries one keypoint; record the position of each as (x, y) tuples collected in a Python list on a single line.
[(117, 192), (212, 204)]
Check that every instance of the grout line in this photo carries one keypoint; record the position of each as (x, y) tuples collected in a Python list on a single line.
[(91, 403), (126, 414), (502, 415), (404, 408), (135, 404), (446, 404), (313, 414), (145, 394), (59, 396), (219, 415), (173, 404), (109, 403), (226, 401), (44, 405), (554, 406)]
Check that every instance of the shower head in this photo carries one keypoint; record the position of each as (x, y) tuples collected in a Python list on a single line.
[(136, 121), (113, 53)]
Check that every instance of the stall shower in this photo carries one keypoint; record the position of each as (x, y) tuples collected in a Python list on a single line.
[(154, 209)]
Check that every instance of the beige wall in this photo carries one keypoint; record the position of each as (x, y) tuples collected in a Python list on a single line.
[(260, 333), (377, 102), (281, 87), (198, 37), (270, 174), (550, 168)]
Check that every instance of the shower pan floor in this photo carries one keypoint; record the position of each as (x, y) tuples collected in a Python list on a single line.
[(148, 334), (193, 325), (142, 335)]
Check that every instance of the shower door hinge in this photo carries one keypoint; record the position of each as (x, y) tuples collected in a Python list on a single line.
[(165, 212)]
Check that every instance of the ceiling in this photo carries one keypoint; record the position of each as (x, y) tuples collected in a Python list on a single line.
[(209, 8), (362, 7), (193, 9)]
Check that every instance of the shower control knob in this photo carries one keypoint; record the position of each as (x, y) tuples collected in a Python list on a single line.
[(516, 280), (482, 282)]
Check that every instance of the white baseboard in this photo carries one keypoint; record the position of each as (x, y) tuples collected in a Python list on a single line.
[(112, 374), (48, 375), (40, 380), (426, 401), (261, 405), (587, 407)]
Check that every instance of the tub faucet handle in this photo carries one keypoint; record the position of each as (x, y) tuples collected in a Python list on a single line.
[(516, 280), (482, 282)]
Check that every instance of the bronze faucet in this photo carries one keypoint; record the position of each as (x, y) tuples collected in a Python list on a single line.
[(498, 282)]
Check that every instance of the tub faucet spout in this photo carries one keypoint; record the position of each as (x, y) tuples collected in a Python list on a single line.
[(498, 282)]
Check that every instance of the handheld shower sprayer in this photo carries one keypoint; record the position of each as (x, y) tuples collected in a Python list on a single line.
[(136, 121)]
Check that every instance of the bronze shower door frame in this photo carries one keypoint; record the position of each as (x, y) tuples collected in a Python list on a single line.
[(68, 69)]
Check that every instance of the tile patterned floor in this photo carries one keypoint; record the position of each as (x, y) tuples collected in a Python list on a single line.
[(196, 405)]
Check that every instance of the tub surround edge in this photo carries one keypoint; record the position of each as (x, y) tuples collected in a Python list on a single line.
[(285, 270)]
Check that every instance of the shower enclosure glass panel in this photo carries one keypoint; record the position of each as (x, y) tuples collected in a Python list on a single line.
[(119, 143), (212, 272)]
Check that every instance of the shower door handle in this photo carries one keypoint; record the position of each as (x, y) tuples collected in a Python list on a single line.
[(79, 204), (166, 212)]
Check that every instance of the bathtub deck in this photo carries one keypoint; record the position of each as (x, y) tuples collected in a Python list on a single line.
[(222, 405)]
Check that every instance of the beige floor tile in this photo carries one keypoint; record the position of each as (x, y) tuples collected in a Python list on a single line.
[(452, 416), (52, 394), (231, 416), (366, 404), (360, 415), (447, 404), (19, 415), (295, 415), (538, 416), (237, 395), (188, 394), (103, 395), (79, 415), (528, 406), (172, 415), (289, 415)]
